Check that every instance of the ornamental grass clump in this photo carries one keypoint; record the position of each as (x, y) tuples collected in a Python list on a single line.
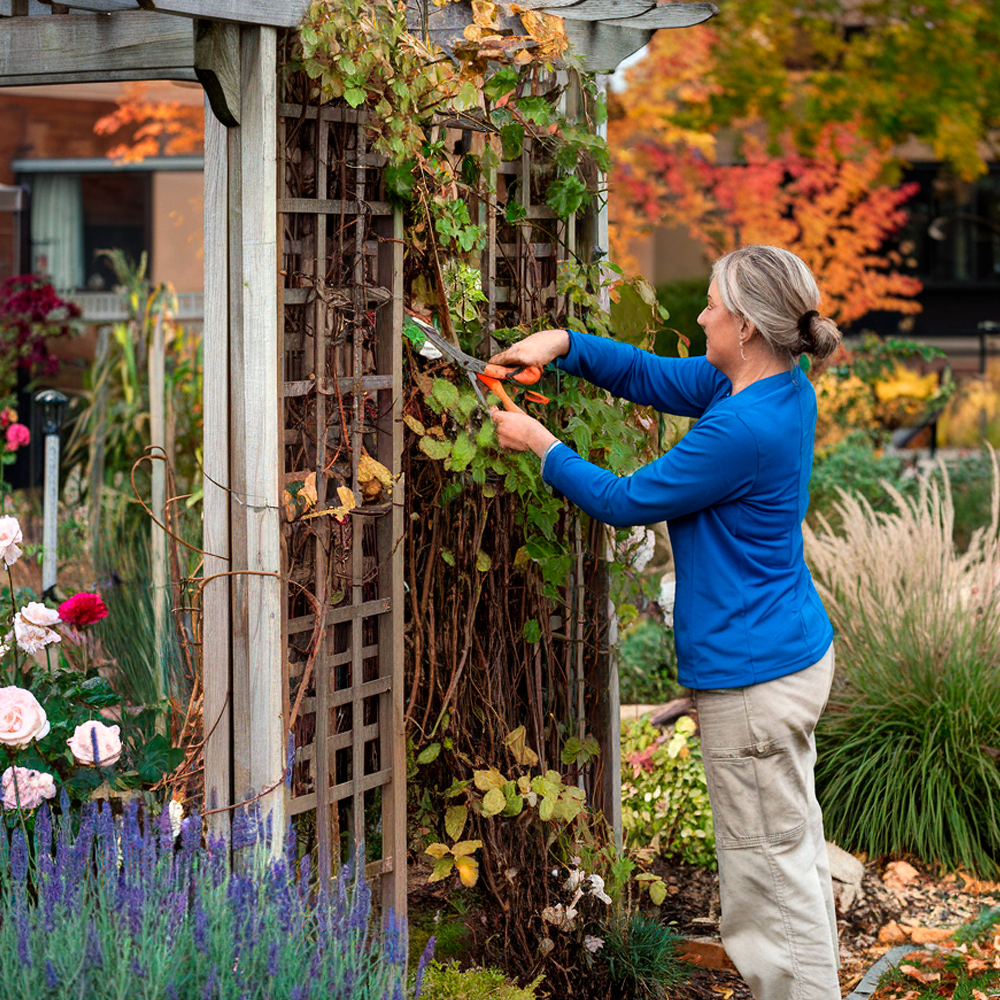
[(909, 746), (134, 907)]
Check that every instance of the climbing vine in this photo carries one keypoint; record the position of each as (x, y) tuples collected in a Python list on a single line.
[(507, 585)]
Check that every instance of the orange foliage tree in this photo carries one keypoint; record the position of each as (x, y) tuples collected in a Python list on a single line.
[(159, 128), (832, 206)]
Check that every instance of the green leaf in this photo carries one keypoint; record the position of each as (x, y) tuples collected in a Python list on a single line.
[(658, 892), (354, 97), (445, 392), (454, 821), (547, 808), (97, 691), (442, 869), (483, 561), (433, 448), (494, 802), (566, 196), (531, 631), (399, 179), (429, 754), (463, 451), (515, 212), (535, 109), (511, 140), (502, 82), (447, 557)]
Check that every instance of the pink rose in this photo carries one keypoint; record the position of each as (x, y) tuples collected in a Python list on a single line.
[(33, 638), (22, 719), (32, 787), (17, 436), (109, 744), (10, 536), (36, 613)]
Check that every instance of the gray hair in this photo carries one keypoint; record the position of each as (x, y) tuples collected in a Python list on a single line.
[(776, 291)]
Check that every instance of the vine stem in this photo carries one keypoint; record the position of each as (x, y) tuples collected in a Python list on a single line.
[(17, 797)]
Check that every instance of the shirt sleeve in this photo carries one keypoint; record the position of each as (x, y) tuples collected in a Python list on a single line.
[(683, 386), (715, 462)]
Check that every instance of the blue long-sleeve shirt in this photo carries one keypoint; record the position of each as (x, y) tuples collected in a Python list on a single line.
[(733, 492)]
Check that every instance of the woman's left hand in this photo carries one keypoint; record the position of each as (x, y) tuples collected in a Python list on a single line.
[(520, 432)]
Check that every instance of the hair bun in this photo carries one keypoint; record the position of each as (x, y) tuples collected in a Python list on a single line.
[(818, 334)]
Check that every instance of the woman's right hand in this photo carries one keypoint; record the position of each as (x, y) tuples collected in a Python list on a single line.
[(536, 350)]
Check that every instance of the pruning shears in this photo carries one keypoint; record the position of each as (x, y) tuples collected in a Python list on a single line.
[(482, 371)]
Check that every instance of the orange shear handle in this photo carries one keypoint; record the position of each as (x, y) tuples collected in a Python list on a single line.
[(526, 376)]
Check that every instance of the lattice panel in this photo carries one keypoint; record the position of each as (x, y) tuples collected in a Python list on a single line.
[(522, 258), (338, 286)]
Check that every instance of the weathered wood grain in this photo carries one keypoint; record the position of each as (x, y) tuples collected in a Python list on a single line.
[(256, 436), (217, 63), (277, 13), (85, 47), (216, 607)]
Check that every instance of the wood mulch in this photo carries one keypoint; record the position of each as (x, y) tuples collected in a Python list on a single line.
[(903, 903)]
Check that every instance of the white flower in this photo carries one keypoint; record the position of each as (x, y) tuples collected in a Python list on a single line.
[(176, 812), (36, 613), (597, 889), (10, 536), (5, 643), (592, 944), (575, 861), (668, 592), (33, 638), (576, 876)]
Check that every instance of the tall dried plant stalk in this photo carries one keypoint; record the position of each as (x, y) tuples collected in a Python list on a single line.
[(902, 569)]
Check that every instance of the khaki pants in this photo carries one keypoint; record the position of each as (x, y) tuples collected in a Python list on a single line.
[(779, 925)]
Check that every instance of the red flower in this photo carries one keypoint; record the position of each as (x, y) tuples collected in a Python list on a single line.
[(82, 610), (17, 436)]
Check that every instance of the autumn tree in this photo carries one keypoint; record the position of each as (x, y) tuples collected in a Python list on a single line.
[(774, 123), (153, 127)]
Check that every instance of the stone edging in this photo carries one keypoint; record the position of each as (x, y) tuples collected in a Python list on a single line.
[(866, 987)]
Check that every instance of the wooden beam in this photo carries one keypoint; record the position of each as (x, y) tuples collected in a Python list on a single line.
[(216, 605), (217, 63), (257, 650), (81, 47), (277, 13)]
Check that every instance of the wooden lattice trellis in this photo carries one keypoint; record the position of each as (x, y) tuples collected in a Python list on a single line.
[(341, 356)]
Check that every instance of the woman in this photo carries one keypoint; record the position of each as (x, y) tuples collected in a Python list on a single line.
[(753, 640)]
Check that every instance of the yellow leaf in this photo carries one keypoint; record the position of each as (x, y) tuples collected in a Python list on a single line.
[(523, 754), (468, 870), (466, 847), (485, 780), (454, 821), (372, 476), (415, 425), (438, 851), (308, 491)]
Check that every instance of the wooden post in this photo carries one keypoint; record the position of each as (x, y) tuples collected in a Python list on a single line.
[(216, 607), (156, 374), (390, 529), (259, 749)]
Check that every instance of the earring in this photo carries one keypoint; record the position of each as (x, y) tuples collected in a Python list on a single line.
[(742, 355)]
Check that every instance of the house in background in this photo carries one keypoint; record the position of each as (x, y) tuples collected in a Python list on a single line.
[(63, 199), (75, 200)]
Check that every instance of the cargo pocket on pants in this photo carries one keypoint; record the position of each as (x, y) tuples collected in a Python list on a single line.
[(758, 795)]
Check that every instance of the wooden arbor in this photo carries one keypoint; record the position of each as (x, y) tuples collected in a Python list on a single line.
[(287, 339)]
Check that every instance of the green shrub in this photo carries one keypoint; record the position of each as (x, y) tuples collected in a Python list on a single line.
[(642, 958), (647, 664), (907, 747), (684, 300), (855, 466), (446, 981), (664, 795)]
